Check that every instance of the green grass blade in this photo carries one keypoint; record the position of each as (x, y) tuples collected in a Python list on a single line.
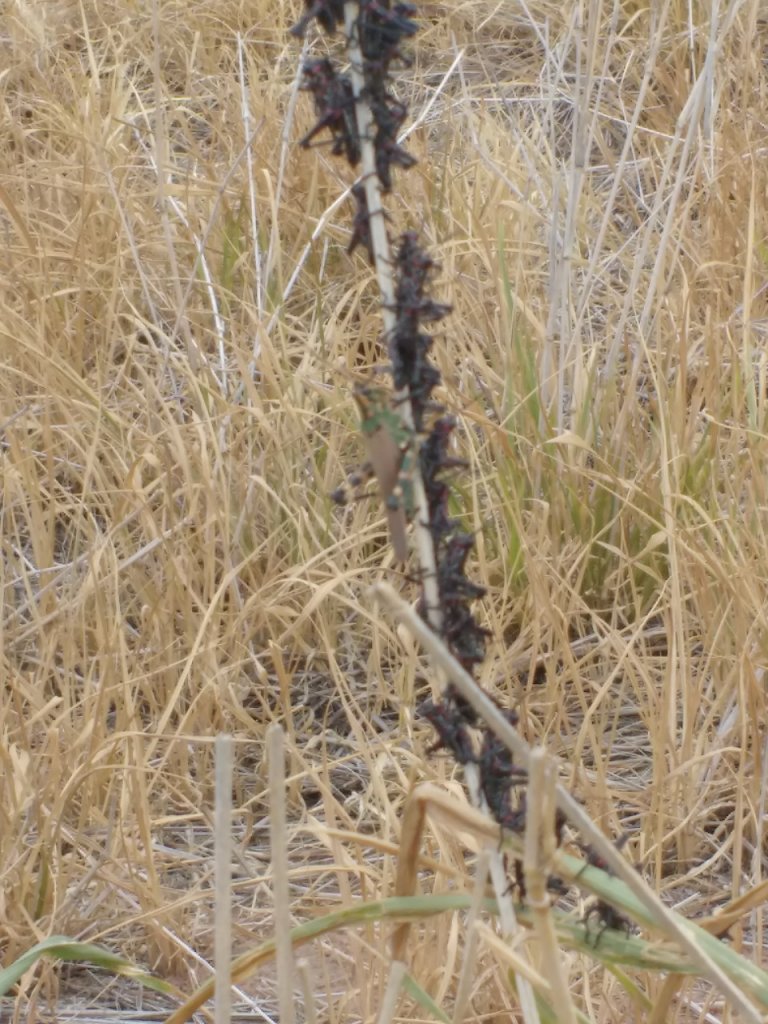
[(424, 999), (61, 948)]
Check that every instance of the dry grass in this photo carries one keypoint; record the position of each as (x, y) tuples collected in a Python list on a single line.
[(174, 410)]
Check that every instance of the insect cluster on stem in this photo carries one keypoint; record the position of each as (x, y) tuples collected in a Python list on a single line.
[(380, 31), (398, 445)]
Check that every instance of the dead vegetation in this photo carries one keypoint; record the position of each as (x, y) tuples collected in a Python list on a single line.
[(180, 325)]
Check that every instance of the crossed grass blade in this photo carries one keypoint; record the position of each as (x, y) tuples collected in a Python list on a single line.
[(615, 949)]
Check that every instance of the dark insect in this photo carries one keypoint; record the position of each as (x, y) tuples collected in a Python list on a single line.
[(595, 860), (408, 345), (560, 823), (388, 152), (409, 351), (466, 639), (388, 114), (441, 523), (319, 76), (413, 263), (413, 277), (361, 225), (518, 881), (608, 916), (357, 479), (411, 368), (459, 589), (456, 553), (396, 21), (459, 626), (376, 70), (434, 451), (408, 342), (452, 580), (555, 885), (462, 705), (499, 776), (451, 728), (376, 76), (362, 475), (412, 309), (329, 14), (496, 756), (335, 108), (434, 459)]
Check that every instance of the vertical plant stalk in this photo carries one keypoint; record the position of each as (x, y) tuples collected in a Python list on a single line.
[(382, 258), (540, 830), (223, 878), (363, 118), (278, 844)]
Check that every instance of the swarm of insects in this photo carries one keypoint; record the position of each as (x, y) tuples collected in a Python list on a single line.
[(395, 451), (409, 345), (401, 447), (380, 29)]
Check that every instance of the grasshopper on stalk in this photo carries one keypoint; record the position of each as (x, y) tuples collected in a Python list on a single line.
[(391, 451)]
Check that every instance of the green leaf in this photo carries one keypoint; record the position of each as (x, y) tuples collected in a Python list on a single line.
[(390, 449), (62, 948), (424, 999)]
